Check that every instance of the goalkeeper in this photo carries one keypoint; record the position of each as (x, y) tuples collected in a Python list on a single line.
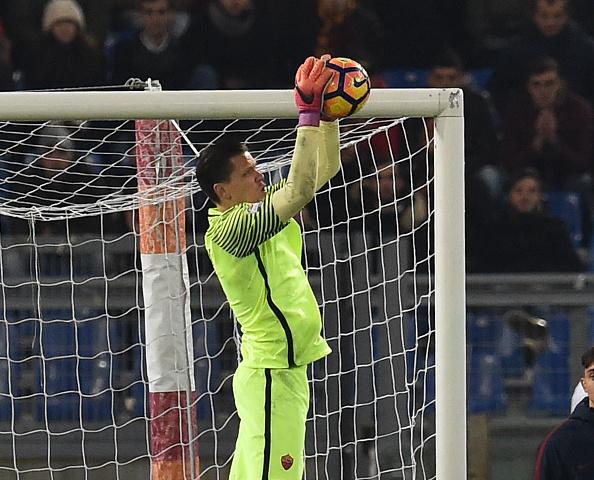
[(255, 246)]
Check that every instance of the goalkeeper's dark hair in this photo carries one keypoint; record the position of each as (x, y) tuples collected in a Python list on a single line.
[(588, 358), (214, 164)]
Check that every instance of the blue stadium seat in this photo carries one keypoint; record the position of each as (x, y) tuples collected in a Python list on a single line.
[(406, 78), (566, 205), (61, 376), (207, 364), (138, 392), (417, 77), (483, 331), (486, 392), (487, 333), (479, 77), (96, 369), (56, 373), (9, 387)]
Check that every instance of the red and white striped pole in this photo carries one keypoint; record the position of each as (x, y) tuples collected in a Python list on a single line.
[(166, 287)]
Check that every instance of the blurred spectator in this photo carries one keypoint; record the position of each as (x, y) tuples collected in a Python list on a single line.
[(24, 19), (56, 176), (523, 238), (347, 28), (232, 36), (388, 205), (6, 66), (64, 57), (155, 51), (291, 38), (493, 25), (481, 141), (483, 180), (553, 33), (411, 29), (98, 15), (549, 127)]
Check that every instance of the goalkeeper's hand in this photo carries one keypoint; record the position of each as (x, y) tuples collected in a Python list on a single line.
[(311, 81)]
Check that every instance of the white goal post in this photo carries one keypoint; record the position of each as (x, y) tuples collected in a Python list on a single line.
[(444, 106)]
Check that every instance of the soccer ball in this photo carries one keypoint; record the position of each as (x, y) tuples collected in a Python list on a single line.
[(348, 91)]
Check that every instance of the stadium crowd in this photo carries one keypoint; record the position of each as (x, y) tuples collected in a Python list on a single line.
[(526, 68)]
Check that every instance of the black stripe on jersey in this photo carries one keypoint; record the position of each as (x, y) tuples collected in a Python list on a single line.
[(267, 423), (240, 231), (281, 318)]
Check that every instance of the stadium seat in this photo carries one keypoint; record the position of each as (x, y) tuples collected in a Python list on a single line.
[(56, 397), (207, 364), (9, 387), (479, 77), (483, 331), (417, 77), (74, 364), (406, 78), (96, 369), (138, 392), (566, 205), (486, 392)]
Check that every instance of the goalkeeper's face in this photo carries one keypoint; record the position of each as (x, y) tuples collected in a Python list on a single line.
[(245, 183)]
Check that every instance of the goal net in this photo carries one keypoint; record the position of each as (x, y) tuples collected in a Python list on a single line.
[(117, 346)]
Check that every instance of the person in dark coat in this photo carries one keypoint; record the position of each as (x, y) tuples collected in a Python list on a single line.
[(548, 127), (567, 453), (65, 57), (524, 238), (155, 51), (56, 177), (553, 33)]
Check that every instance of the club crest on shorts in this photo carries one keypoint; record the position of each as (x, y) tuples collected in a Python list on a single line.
[(287, 461)]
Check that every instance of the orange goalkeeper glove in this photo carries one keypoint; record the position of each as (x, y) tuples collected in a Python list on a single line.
[(310, 83)]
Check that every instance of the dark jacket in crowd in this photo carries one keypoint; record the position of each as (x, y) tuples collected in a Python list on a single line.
[(572, 48), (569, 157), (132, 59), (51, 64), (528, 242), (567, 453)]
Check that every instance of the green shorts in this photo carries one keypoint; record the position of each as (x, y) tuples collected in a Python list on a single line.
[(272, 406)]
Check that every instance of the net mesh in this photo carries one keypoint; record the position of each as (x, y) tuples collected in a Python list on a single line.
[(73, 383)]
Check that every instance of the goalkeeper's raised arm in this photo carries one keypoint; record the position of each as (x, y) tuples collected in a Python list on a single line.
[(317, 157)]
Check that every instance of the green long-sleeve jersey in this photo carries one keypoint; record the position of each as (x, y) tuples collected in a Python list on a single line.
[(257, 258)]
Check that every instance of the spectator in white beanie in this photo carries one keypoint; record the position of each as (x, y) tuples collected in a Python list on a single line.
[(65, 57), (62, 11)]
